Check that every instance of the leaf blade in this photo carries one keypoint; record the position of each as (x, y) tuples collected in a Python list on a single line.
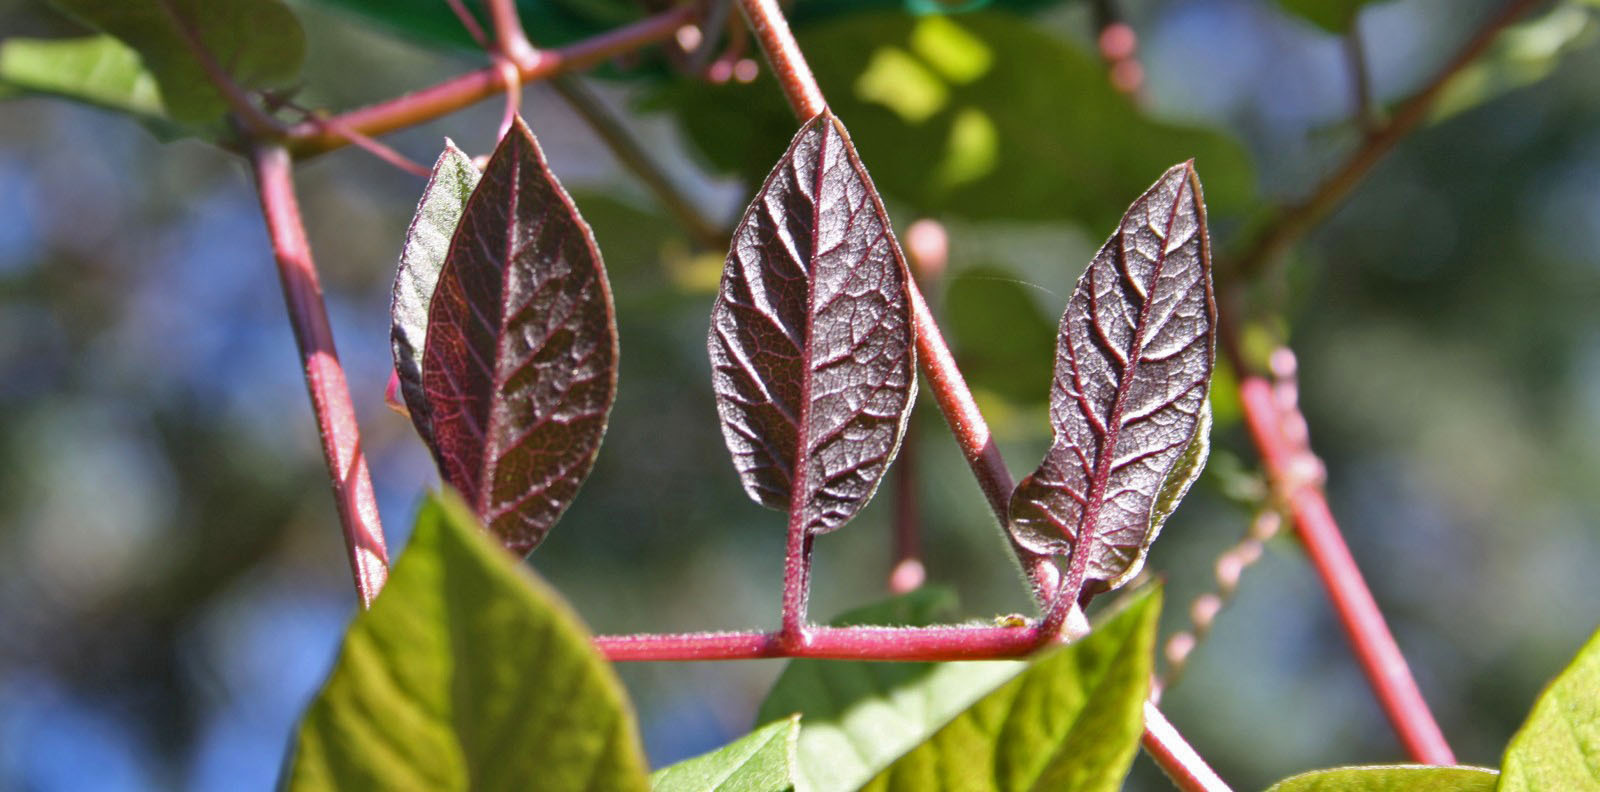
[(422, 259), (1135, 353), (451, 667), (1069, 723), (1391, 778), (520, 360), (811, 341), (1558, 746), (761, 761), (259, 42)]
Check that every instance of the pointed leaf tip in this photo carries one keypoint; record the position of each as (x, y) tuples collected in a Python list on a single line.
[(811, 341), (519, 363), (1134, 358)]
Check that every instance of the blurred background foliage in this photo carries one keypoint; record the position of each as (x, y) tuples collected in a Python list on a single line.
[(172, 584)]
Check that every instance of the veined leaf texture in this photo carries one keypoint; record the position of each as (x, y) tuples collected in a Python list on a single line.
[(519, 360), (1134, 358), (812, 347)]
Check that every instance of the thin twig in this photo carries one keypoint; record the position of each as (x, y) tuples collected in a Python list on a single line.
[(330, 395), (456, 93), (889, 644), (1292, 222), (1355, 56), (1279, 432), (470, 22), (374, 147), (509, 37), (635, 158)]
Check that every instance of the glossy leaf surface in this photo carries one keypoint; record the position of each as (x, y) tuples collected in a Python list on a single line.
[(467, 673), (1392, 778), (520, 360), (761, 761), (1134, 357), (811, 339), (259, 43), (1558, 746), (1069, 723), (427, 246), (858, 717)]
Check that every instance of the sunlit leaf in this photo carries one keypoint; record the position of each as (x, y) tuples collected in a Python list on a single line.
[(1134, 357), (811, 338), (258, 43), (1521, 55), (1069, 723), (467, 673), (1558, 746), (761, 761), (983, 116), (427, 246), (1392, 778), (520, 364), (858, 717), (99, 70)]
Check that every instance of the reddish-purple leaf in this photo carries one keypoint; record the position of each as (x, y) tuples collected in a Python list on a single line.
[(1133, 369), (520, 364), (812, 347)]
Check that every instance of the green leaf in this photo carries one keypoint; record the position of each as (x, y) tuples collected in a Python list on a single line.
[(981, 116), (1521, 55), (467, 673), (259, 43), (1391, 778), (856, 718), (1070, 723), (1558, 746), (1334, 16), (761, 761), (98, 70), (1185, 472)]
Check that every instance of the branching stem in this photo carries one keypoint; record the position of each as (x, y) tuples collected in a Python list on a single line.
[(330, 395)]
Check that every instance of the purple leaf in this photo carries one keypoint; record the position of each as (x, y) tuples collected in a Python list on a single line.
[(1133, 369), (812, 346), (520, 364)]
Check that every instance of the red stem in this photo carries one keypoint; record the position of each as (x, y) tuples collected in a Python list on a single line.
[(509, 37), (788, 63), (892, 644), (330, 396), (458, 92), (1374, 645), (1186, 768)]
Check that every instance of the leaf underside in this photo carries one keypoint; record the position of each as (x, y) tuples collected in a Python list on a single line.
[(467, 673), (1134, 358), (422, 259), (811, 338), (258, 43), (519, 368)]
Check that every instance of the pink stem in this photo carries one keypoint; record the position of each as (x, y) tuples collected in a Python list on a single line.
[(1369, 635), (788, 63), (308, 138), (509, 37), (895, 644), (330, 396), (1186, 768)]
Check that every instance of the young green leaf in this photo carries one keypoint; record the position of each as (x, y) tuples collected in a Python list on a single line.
[(1392, 778), (761, 761), (98, 70), (858, 717), (1069, 723), (467, 673), (519, 364), (1558, 746), (811, 338), (1133, 368), (259, 43), (427, 246)]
